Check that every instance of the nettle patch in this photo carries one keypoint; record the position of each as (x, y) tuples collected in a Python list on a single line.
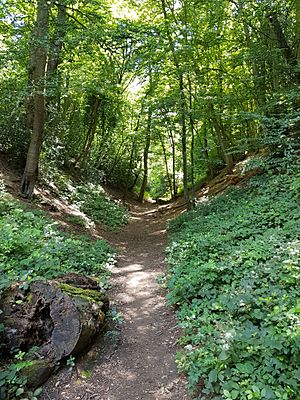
[(234, 276)]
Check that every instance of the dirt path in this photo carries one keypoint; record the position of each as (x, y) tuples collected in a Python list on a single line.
[(136, 360)]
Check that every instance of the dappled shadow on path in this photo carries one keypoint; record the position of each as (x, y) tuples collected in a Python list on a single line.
[(135, 361)]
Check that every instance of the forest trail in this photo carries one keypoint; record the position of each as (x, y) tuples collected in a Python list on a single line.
[(136, 361)]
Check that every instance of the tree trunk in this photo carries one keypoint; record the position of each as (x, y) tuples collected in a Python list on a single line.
[(166, 163), (145, 158), (182, 105), (58, 39), (53, 76), (221, 138), (290, 54), (38, 69), (192, 126), (60, 317), (173, 163), (129, 171), (210, 171), (171, 137), (96, 102), (281, 39)]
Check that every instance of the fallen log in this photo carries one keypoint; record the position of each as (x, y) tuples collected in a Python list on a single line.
[(59, 318)]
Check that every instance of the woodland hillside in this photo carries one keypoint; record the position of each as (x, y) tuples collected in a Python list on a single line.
[(119, 119)]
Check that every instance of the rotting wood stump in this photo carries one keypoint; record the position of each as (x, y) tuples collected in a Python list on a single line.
[(59, 318)]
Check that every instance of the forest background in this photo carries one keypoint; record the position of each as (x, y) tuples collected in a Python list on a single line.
[(153, 96)]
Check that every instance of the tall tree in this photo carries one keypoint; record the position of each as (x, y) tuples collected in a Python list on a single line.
[(38, 62), (182, 104), (146, 156)]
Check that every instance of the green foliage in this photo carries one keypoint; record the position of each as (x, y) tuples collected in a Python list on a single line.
[(12, 383), (13, 380), (32, 247), (71, 363), (94, 202), (234, 276), (75, 220)]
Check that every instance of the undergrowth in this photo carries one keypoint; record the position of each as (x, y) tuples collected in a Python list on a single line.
[(95, 203), (33, 248), (90, 198), (234, 277)]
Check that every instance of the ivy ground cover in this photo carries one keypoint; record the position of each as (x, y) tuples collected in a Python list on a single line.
[(234, 278)]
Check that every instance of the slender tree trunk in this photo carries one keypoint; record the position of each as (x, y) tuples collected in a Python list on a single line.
[(221, 138), (192, 126), (117, 158), (166, 164), (129, 171), (38, 69), (184, 143), (173, 163), (258, 71), (96, 102), (182, 107), (53, 76), (206, 153), (171, 137), (145, 158)]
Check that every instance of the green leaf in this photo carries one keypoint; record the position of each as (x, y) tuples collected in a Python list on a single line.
[(38, 391), (213, 376), (234, 394), (19, 391), (223, 355), (245, 368)]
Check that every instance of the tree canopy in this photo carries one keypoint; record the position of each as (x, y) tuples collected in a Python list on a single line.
[(152, 96)]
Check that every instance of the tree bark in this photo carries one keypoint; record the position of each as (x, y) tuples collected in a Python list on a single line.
[(182, 105), (192, 126), (145, 157), (58, 39), (210, 171), (166, 164), (60, 317), (96, 102), (171, 137), (38, 116), (281, 39), (290, 54), (129, 171), (53, 76), (221, 138)]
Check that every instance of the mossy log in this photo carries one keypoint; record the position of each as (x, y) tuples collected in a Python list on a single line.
[(59, 317)]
